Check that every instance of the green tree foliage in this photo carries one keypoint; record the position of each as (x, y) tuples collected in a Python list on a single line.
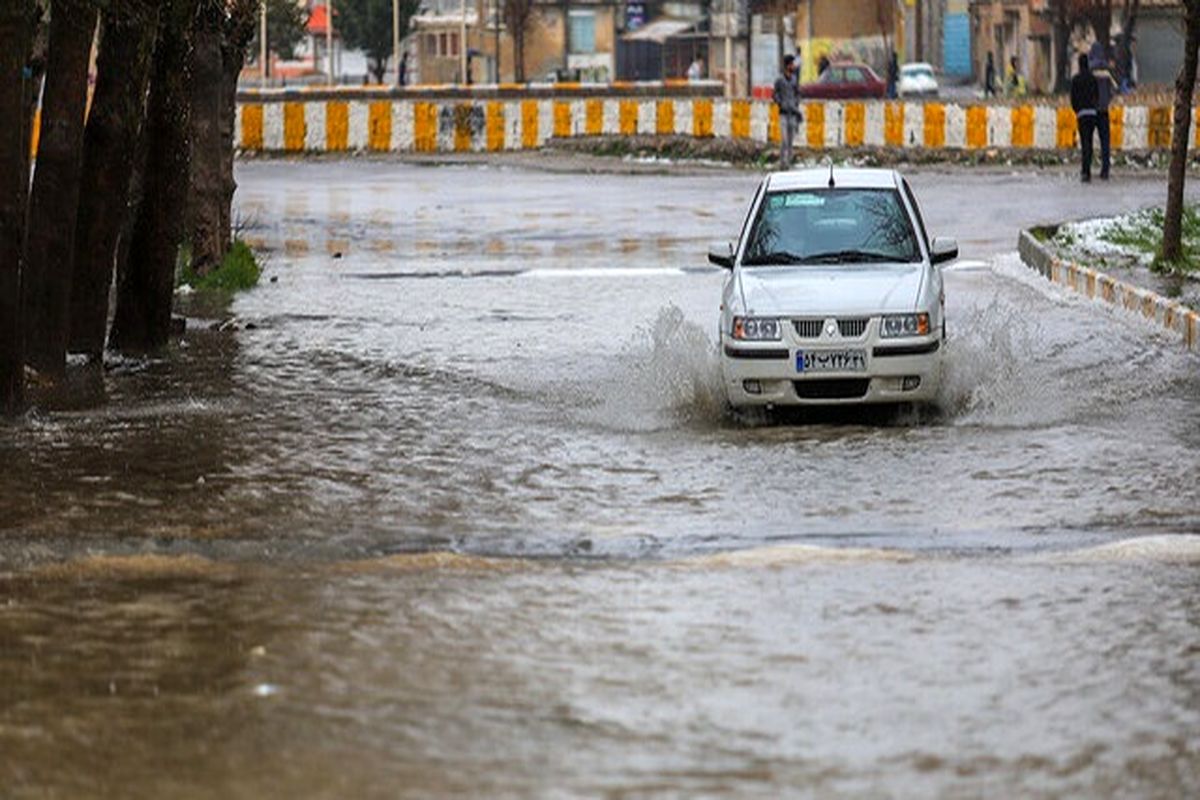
[(287, 22), (367, 25)]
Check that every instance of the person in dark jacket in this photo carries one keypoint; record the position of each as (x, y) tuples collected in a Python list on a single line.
[(989, 77), (1084, 97), (893, 75), (787, 98), (1105, 87)]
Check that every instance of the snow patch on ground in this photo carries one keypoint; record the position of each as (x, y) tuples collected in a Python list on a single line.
[(1093, 240)]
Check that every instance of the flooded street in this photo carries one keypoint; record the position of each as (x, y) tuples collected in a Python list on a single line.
[(457, 509)]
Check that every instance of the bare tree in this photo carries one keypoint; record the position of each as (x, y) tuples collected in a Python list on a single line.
[(1185, 84), (54, 199), (517, 16), (16, 29), (208, 242), (128, 30), (146, 284), (240, 26)]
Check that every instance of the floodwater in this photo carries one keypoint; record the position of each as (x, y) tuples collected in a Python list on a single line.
[(455, 509)]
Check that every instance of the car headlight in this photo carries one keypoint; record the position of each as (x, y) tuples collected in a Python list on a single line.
[(897, 325), (756, 329)]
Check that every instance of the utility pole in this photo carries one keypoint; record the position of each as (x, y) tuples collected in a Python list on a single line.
[(919, 19), (462, 45), (329, 37), (396, 38), (262, 44)]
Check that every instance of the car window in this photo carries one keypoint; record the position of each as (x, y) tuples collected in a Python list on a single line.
[(823, 226), (833, 75), (856, 75)]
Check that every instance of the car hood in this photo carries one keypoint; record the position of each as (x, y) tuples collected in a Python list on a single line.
[(800, 291)]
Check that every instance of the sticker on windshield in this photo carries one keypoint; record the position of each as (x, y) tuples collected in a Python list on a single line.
[(797, 199)]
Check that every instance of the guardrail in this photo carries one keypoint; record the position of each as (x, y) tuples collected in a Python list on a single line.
[(290, 122)]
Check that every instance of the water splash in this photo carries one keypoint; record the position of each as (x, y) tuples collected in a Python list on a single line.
[(986, 379), (667, 375)]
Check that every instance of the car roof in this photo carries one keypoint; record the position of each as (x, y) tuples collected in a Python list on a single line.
[(843, 177)]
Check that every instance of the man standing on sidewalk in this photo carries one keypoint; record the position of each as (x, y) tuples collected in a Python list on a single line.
[(1084, 96), (787, 98), (1105, 86)]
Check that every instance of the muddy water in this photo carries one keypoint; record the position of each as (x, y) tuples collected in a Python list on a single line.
[(461, 513)]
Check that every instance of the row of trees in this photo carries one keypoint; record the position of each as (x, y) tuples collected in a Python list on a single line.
[(114, 191)]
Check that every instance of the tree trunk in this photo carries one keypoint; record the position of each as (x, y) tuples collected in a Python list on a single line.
[(207, 187), (49, 249), (1062, 49), (1172, 246), (519, 55), (145, 288), (16, 20), (114, 124), (239, 31), (1128, 31)]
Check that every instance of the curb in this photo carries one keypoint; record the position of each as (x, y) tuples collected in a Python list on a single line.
[(1167, 314)]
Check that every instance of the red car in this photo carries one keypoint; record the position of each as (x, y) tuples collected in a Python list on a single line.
[(845, 81)]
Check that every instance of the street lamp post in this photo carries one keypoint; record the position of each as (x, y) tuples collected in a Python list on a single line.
[(462, 44), (329, 37), (262, 45), (396, 38)]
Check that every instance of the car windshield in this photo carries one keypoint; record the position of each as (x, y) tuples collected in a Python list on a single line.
[(831, 226), (917, 72)]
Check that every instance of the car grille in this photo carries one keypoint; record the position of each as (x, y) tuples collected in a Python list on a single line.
[(848, 328), (808, 328), (852, 328), (832, 388)]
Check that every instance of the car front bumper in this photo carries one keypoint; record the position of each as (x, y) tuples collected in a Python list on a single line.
[(900, 371)]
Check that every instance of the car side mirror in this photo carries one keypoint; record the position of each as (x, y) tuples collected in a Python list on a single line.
[(721, 254), (944, 249)]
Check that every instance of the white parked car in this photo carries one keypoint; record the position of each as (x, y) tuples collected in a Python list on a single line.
[(917, 80), (834, 293)]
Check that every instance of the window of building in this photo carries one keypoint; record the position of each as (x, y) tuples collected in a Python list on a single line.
[(583, 32), (443, 44), (453, 53)]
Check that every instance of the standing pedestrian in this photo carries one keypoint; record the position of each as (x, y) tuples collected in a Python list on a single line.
[(893, 75), (1014, 81), (696, 70), (1105, 86), (402, 70), (1084, 97), (822, 65), (989, 77), (787, 99)]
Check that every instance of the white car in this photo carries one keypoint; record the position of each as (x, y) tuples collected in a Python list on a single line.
[(834, 294), (917, 80)]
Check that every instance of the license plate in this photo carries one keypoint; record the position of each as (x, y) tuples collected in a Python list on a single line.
[(831, 361)]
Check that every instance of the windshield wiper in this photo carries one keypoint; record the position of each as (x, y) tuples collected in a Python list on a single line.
[(779, 257), (849, 257)]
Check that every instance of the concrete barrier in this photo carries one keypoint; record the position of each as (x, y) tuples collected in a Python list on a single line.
[(1167, 314), (292, 122)]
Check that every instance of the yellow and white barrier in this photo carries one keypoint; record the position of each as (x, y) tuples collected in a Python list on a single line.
[(474, 125)]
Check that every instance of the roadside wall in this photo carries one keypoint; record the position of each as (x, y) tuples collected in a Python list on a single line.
[(294, 123)]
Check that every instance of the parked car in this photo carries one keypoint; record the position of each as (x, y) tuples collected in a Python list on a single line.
[(834, 293), (917, 80), (845, 81)]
